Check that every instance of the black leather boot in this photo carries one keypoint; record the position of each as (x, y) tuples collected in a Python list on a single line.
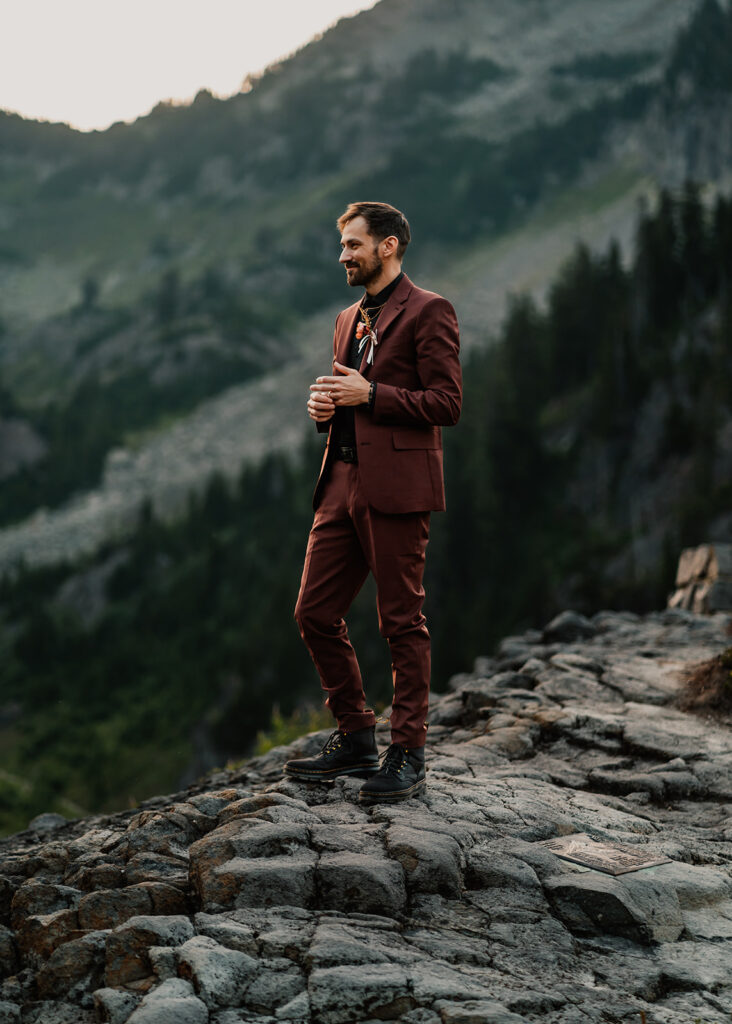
[(402, 774), (345, 753)]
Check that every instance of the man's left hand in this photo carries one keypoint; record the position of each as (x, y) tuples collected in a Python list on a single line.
[(349, 388)]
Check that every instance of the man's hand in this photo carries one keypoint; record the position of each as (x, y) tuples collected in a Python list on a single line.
[(320, 406), (349, 388)]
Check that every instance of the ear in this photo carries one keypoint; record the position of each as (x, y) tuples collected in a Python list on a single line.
[(390, 244)]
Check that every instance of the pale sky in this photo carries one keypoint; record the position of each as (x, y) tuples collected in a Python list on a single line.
[(93, 62)]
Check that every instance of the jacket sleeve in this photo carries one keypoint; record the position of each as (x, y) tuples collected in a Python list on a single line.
[(439, 400), (323, 426)]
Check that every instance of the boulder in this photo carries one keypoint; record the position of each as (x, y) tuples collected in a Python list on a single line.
[(342, 995), (220, 976), (75, 968), (566, 627), (596, 904), (127, 945), (172, 1002)]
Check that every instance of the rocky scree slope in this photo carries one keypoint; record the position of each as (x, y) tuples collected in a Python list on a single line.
[(249, 897)]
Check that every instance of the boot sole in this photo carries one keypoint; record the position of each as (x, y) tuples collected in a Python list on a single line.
[(393, 797), (357, 772)]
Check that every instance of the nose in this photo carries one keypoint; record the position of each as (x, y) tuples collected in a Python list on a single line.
[(344, 257)]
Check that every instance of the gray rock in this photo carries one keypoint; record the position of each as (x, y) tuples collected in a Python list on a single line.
[(476, 1011), (568, 626), (113, 1005), (47, 822), (709, 924), (163, 961), (695, 885), (573, 661), (486, 868), (262, 882), (9, 1013), (341, 995), (420, 1015), (57, 1012), (157, 867), (573, 686), (8, 952), (447, 908), (432, 863), (276, 983), (434, 981), (715, 777), (298, 1009), (75, 969), (361, 882), (335, 944), (126, 946), (593, 903), (229, 933), (695, 965), (670, 733), (219, 975), (657, 898), (478, 693), (344, 837), (173, 1002)]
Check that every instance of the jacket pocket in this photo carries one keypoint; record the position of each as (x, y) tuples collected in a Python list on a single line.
[(429, 438)]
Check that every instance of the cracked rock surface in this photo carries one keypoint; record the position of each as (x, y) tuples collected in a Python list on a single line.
[(254, 898)]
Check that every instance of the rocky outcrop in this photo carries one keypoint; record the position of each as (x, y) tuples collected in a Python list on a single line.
[(254, 898), (704, 579)]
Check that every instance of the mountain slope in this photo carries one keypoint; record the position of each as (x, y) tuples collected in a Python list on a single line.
[(461, 141)]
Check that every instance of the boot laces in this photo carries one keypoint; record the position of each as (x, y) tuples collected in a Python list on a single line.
[(333, 743), (394, 759)]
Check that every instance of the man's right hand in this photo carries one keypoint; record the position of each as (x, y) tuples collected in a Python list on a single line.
[(320, 406)]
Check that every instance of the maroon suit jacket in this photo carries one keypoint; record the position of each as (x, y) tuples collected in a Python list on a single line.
[(417, 369)]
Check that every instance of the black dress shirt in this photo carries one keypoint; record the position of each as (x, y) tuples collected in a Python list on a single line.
[(344, 431)]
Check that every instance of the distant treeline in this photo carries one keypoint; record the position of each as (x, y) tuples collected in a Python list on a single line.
[(196, 635)]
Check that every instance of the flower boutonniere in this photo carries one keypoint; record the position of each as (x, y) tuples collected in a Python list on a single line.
[(364, 336), (365, 331)]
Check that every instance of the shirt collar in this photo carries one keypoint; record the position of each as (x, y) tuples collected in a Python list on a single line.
[(369, 301)]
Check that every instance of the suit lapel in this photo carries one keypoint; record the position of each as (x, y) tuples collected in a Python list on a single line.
[(346, 331), (394, 306)]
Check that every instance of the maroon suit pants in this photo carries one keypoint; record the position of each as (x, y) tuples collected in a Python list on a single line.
[(348, 540)]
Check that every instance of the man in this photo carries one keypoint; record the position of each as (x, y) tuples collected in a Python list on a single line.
[(396, 381)]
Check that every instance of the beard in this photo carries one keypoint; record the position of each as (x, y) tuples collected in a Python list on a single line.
[(364, 271)]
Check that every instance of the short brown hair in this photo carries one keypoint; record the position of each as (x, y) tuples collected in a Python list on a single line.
[(383, 220)]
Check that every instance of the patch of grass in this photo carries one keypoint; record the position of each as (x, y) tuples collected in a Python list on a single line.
[(708, 686), (283, 730)]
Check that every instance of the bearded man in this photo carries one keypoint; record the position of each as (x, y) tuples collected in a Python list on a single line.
[(396, 381)]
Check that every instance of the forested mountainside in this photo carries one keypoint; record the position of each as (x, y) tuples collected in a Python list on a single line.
[(147, 267), (596, 440)]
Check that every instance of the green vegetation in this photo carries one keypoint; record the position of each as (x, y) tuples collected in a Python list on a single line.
[(111, 404), (196, 639), (701, 56), (284, 730), (458, 189), (495, 184), (606, 65)]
